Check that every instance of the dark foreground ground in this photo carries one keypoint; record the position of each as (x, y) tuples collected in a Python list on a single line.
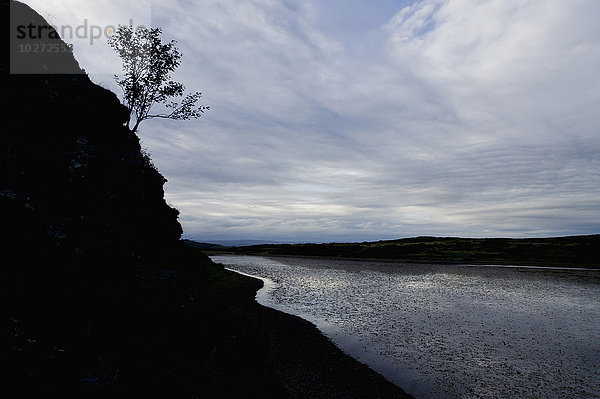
[(184, 328)]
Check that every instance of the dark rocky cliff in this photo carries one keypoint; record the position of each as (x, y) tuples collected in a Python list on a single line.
[(69, 165), (91, 257)]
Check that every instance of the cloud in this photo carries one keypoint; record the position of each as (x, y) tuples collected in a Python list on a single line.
[(463, 117), (477, 118)]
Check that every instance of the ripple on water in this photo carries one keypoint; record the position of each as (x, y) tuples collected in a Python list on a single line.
[(449, 331)]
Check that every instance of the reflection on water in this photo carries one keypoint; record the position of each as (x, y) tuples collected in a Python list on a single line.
[(449, 331)]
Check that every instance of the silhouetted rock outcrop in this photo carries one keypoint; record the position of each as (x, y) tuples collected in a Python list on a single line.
[(91, 253), (69, 165)]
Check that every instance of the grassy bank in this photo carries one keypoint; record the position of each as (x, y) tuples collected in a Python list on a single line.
[(576, 251)]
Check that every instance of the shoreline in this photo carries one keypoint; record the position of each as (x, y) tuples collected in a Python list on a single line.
[(304, 359), (356, 352), (321, 285)]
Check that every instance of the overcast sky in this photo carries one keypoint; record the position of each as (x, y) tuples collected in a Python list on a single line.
[(361, 120)]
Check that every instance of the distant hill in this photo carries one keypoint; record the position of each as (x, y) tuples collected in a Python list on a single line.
[(240, 243), (575, 251), (204, 246)]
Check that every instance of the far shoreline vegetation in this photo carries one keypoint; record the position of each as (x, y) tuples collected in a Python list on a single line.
[(569, 251)]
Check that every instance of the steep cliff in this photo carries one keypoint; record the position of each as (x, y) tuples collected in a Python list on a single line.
[(69, 165), (91, 258)]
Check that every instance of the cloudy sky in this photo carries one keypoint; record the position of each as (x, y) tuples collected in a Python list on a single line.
[(339, 120)]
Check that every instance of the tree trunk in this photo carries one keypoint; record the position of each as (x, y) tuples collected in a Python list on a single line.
[(136, 126)]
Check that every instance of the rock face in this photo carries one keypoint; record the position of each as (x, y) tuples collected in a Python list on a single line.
[(73, 176), (93, 274)]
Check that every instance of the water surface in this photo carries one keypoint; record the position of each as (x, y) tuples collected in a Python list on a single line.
[(445, 331)]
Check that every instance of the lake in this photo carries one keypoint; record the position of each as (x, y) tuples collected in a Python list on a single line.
[(448, 331)]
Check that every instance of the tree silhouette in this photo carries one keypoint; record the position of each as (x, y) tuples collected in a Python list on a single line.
[(147, 67)]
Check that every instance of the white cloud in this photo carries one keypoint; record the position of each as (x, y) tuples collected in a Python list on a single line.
[(463, 117), (478, 112)]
